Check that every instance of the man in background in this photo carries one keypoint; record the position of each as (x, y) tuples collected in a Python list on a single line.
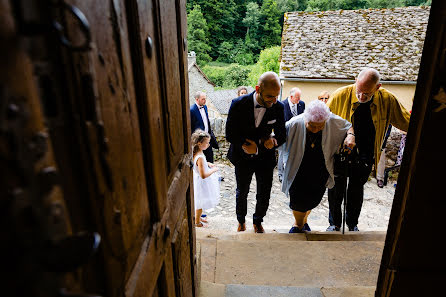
[(199, 119), (292, 106)]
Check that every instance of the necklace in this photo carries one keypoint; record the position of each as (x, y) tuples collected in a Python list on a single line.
[(312, 137)]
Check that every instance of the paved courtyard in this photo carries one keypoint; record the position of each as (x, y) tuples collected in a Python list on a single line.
[(374, 216)]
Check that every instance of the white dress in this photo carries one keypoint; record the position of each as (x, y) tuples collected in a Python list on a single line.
[(206, 191)]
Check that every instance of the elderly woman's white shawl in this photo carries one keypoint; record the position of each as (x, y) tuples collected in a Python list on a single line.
[(293, 149)]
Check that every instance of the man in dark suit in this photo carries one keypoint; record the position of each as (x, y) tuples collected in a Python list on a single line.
[(293, 106), (199, 119), (255, 127)]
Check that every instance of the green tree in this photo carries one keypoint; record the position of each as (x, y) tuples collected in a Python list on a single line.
[(272, 30), (291, 5), (197, 35), (385, 3), (252, 24), (416, 2), (268, 61), (242, 53), (352, 4), (221, 16), (226, 52), (236, 75)]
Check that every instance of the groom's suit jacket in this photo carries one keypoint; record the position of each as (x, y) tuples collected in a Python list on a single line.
[(240, 125)]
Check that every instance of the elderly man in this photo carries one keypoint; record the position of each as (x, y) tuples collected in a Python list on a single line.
[(199, 119), (371, 109), (249, 128), (293, 106)]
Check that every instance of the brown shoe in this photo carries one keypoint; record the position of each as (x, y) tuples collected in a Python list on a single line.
[(241, 227), (258, 228)]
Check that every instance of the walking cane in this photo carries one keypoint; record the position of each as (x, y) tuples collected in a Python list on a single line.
[(345, 188)]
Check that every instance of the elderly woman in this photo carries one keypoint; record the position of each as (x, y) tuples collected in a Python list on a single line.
[(312, 140)]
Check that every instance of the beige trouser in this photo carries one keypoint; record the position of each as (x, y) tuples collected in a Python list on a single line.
[(381, 166)]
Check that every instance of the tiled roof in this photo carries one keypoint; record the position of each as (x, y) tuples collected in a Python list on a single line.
[(222, 99), (337, 44), (189, 67)]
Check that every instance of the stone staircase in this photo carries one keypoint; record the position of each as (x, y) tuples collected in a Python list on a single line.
[(315, 264)]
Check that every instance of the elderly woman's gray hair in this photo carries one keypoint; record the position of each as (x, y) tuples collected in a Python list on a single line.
[(316, 112)]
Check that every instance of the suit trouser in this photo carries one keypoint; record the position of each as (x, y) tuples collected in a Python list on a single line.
[(264, 179), (209, 154), (355, 195)]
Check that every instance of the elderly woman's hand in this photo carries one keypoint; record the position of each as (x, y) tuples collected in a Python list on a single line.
[(350, 141)]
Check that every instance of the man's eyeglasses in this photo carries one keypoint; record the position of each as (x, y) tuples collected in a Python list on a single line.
[(323, 98), (367, 95)]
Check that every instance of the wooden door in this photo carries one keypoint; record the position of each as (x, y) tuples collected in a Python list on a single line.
[(112, 84), (413, 262)]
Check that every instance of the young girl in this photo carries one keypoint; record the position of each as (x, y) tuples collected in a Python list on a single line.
[(206, 186)]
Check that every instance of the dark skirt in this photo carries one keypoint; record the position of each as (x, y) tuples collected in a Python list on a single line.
[(308, 187)]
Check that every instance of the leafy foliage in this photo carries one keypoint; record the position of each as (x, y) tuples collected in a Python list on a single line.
[(197, 32), (229, 76), (268, 61), (231, 31), (272, 31)]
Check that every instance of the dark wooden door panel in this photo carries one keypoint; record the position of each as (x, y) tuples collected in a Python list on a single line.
[(172, 103), (182, 258), (105, 77), (119, 123)]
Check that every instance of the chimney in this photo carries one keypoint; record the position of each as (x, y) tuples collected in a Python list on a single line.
[(191, 58)]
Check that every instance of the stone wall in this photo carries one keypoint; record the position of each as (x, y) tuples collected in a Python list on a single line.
[(218, 126), (392, 147)]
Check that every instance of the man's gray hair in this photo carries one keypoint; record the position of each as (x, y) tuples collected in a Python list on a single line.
[(295, 90), (198, 94), (369, 74), (316, 112)]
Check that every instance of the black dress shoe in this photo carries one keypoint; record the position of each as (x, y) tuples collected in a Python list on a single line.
[(380, 183), (258, 228), (353, 228)]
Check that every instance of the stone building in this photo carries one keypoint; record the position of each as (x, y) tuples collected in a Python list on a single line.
[(221, 100), (326, 50)]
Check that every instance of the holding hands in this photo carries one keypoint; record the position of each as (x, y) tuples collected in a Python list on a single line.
[(349, 141), (270, 143), (249, 147)]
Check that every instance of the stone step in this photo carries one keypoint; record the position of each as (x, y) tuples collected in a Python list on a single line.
[(233, 290), (283, 235), (298, 263)]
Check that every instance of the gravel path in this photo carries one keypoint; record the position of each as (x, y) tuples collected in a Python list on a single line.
[(374, 215)]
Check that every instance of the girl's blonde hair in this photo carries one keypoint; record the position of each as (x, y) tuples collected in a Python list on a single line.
[(197, 137)]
